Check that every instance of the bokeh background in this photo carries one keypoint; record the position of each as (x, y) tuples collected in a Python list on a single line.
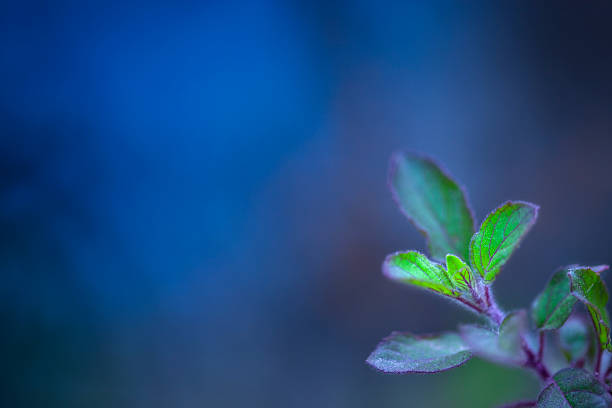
[(193, 202)]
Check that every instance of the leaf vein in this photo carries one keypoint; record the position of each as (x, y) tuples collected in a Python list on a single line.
[(504, 240)]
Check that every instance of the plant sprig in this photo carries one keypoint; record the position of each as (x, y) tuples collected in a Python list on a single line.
[(462, 266)]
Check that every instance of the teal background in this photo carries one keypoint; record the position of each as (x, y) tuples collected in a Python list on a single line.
[(193, 201)]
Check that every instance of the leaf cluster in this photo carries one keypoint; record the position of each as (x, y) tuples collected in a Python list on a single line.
[(463, 263)]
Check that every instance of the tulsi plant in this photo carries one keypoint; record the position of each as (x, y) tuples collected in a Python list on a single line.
[(567, 350)]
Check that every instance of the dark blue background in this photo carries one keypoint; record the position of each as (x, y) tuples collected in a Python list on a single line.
[(193, 208)]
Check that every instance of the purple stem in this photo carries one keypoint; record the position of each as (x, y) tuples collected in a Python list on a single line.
[(493, 310), (477, 298), (541, 349), (488, 296), (534, 362), (470, 305)]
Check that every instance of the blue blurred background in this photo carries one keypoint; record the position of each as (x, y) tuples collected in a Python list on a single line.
[(193, 202)]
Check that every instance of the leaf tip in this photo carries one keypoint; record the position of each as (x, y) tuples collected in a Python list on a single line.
[(598, 269), (387, 264)]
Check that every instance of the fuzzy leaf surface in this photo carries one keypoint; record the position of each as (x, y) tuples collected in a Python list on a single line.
[(434, 202), (574, 283), (499, 235), (402, 353), (414, 268), (574, 388), (589, 288)]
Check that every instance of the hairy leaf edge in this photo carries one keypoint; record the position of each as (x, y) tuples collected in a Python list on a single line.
[(420, 337), (552, 383), (456, 293), (393, 163), (598, 269), (565, 297), (519, 241)]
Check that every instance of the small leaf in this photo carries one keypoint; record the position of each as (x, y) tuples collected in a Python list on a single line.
[(502, 347), (459, 273), (574, 339), (588, 287), (554, 305), (433, 202), (402, 353), (500, 233), (574, 388), (414, 268)]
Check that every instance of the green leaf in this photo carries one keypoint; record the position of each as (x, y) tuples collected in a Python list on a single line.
[(502, 347), (433, 202), (414, 268), (588, 287), (500, 233), (554, 305), (402, 353), (459, 273), (574, 388), (574, 339)]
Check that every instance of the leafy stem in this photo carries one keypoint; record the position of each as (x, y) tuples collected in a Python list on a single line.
[(534, 361), (462, 264)]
